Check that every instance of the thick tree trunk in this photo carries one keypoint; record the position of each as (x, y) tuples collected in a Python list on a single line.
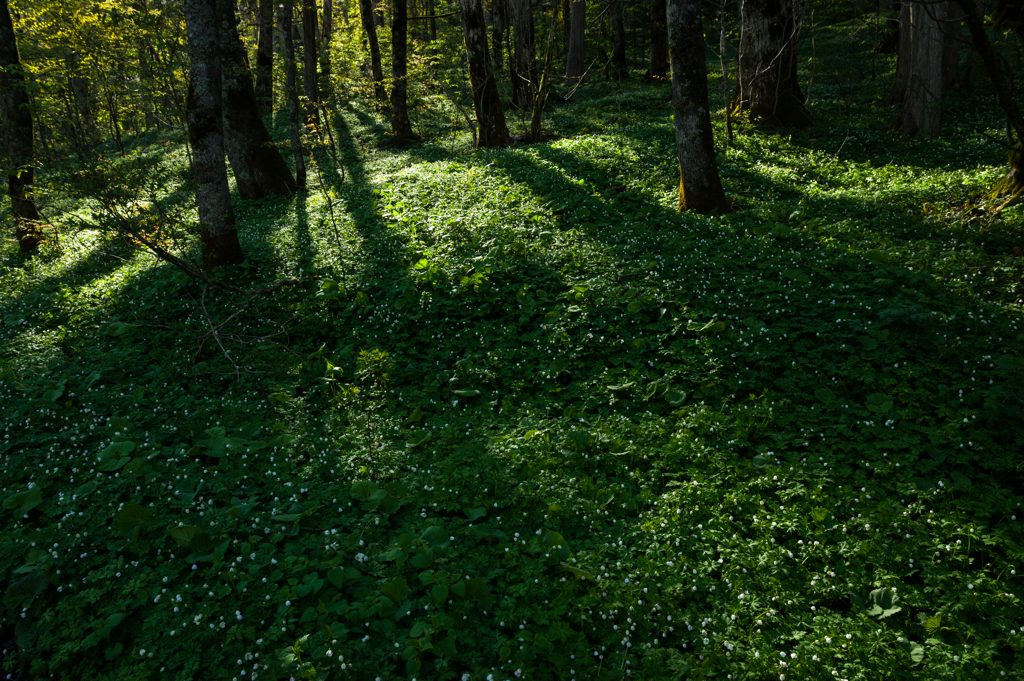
[(366, 15), (700, 188), (256, 162), (769, 38), (284, 20), (216, 217), (401, 128), (17, 118), (618, 69), (486, 102), (524, 71), (575, 61), (951, 30), (919, 78), (658, 66), (309, 63), (265, 58)]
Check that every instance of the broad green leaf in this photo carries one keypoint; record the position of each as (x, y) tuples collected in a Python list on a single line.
[(23, 502), (115, 456), (397, 589), (130, 517)]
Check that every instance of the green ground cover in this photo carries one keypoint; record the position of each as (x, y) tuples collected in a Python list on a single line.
[(521, 419)]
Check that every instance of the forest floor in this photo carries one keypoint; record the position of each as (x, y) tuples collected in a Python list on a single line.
[(522, 419)]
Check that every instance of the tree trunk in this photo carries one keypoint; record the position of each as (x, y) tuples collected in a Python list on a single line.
[(918, 85), (951, 30), (326, 31), (1013, 184), (575, 61), (486, 102), (366, 15), (769, 38), (265, 58), (401, 128), (498, 25), (524, 71), (17, 118), (147, 82), (658, 67), (309, 59), (284, 20), (700, 188), (216, 217), (256, 162), (618, 69)]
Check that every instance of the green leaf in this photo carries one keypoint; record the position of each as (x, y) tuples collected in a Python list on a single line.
[(421, 559), (115, 456), (364, 489), (446, 647), (25, 501), (675, 397), (439, 592), (879, 403), (117, 328), (825, 395), (466, 393), (418, 630), (193, 537), (760, 461), (474, 513), (21, 593), (87, 488), (915, 650), (397, 589), (131, 517)]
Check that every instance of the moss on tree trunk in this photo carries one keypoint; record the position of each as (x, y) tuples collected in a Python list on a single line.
[(17, 119)]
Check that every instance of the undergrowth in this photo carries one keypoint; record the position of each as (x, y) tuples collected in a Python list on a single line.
[(521, 419)]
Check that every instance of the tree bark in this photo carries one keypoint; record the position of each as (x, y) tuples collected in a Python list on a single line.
[(951, 30), (919, 74), (326, 31), (498, 25), (257, 164), (401, 128), (216, 217), (618, 69), (700, 187), (486, 102), (17, 118), (524, 71), (284, 20), (309, 63), (658, 66), (575, 61), (265, 58), (366, 15), (769, 38)]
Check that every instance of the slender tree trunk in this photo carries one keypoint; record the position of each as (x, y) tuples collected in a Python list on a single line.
[(401, 128), (366, 15), (17, 118), (524, 73), (148, 90), (1013, 184), (326, 32), (265, 58), (769, 91), (919, 73), (575, 61), (486, 101), (216, 217), (433, 21), (700, 188), (284, 20), (618, 69), (658, 67), (256, 162), (309, 59), (83, 101), (115, 123)]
